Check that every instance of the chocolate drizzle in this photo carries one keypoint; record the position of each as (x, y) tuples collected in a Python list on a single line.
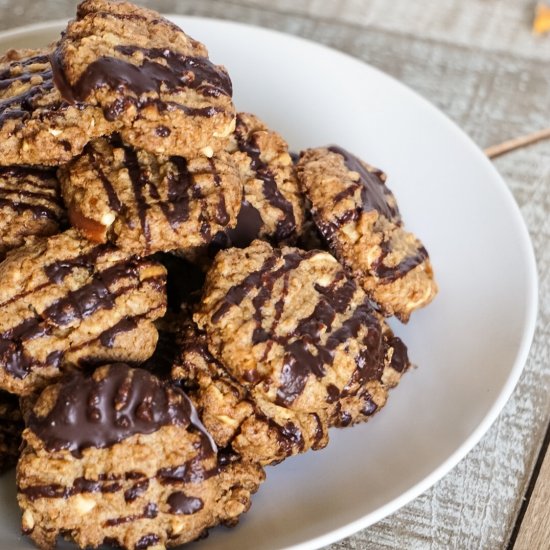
[(374, 193), (181, 504), (108, 337), (31, 190), (180, 184), (112, 197), (286, 226), (22, 106), (7, 78), (138, 489), (387, 274), (80, 485), (310, 347), (160, 71), (222, 216), (192, 471), (76, 306), (139, 181), (400, 357), (150, 511), (177, 72), (238, 293), (58, 270), (172, 191), (100, 292), (91, 412), (17, 362)]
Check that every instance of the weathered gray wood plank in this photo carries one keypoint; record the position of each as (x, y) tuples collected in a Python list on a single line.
[(477, 61), (497, 25), (487, 25)]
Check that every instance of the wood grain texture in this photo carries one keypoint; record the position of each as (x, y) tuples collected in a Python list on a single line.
[(477, 61), (484, 24), (534, 530)]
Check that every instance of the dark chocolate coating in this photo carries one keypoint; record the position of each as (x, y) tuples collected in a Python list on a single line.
[(100, 413)]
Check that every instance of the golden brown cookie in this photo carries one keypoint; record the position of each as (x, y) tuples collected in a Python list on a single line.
[(66, 302), (120, 458), (148, 75), (11, 426), (273, 207), (300, 337), (37, 126), (358, 216), (257, 432), (146, 203), (30, 205)]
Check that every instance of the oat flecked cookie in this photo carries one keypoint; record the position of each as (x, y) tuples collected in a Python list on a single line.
[(258, 432), (358, 216), (147, 75), (300, 336), (30, 204), (66, 302), (273, 206), (36, 125), (146, 203), (120, 458), (11, 426)]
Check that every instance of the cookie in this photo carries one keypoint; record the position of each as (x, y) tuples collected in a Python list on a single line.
[(299, 335), (37, 127), (358, 216), (66, 303), (30, 205), (146, 203), (272, 207), (148, 76), (256, 431), (120, 458), (11, 426)]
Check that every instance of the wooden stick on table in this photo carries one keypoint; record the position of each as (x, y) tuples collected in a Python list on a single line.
[(512, 144)]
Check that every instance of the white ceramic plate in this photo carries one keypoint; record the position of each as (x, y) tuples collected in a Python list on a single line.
[(470, 344)]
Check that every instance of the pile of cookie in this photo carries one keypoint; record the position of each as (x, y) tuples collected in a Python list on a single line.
[(183, 302)]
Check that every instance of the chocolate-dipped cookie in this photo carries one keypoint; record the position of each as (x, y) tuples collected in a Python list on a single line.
[(358, 216), (120, 458)]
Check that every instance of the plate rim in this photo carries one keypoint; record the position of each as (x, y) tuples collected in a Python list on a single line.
[(529, 258)]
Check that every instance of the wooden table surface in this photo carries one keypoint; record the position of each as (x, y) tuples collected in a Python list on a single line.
[(478, 62)]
